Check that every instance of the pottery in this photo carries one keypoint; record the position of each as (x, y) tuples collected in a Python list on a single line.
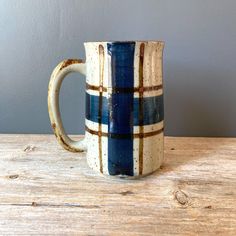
[(124, 106)]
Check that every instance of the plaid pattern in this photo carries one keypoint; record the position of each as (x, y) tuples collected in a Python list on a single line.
[(127, 113)]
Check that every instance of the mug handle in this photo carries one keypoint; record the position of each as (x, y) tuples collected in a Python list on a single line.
[(58, 75)]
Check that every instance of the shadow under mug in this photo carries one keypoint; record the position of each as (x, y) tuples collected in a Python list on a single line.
[(124, 106)]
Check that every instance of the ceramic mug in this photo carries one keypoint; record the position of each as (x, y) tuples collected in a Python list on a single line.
[(124, 106)]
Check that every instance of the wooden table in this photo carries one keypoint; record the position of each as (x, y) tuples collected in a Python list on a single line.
[(47, 190)]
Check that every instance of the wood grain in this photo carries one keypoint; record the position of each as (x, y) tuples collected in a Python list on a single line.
[(46, 190)]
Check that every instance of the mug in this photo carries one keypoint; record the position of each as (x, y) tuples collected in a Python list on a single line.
[(124, 106)]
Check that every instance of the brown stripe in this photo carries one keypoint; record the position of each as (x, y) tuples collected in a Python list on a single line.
[(95, 88), (141, 90), (101, 70), (152, 88), (148, 134), (124, 136), (123, 90)]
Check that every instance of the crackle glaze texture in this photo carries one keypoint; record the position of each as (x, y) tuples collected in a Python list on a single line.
[(124, 107)]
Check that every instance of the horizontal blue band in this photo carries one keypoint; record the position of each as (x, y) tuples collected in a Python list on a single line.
[(153, 110)]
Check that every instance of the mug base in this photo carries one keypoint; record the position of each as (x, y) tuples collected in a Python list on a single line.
[(124, 177), (127, 177)]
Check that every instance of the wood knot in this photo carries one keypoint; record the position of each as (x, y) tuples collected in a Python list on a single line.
[(126, 193), (34, 204), (13, 176), (181, 197), (208, 207), (29, 148)]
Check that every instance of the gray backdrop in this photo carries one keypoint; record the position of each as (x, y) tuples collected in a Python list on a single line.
[(199, 63)]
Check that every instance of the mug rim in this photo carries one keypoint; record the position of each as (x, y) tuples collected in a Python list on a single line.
[(126, 41)]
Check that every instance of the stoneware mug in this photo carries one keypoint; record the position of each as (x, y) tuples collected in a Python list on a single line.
[(124, 106)]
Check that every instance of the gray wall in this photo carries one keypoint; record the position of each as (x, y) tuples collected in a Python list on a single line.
[(199, 65)]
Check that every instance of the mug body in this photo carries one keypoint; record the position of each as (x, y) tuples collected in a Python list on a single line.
[(124, 107)]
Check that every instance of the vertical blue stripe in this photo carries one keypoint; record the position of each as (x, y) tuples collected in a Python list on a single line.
[(120, 106)]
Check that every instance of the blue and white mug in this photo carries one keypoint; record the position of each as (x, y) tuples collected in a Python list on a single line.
[(124, 106)]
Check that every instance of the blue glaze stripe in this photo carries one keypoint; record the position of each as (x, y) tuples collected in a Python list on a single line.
[(92, 107), (120, 151), (153, 110)]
